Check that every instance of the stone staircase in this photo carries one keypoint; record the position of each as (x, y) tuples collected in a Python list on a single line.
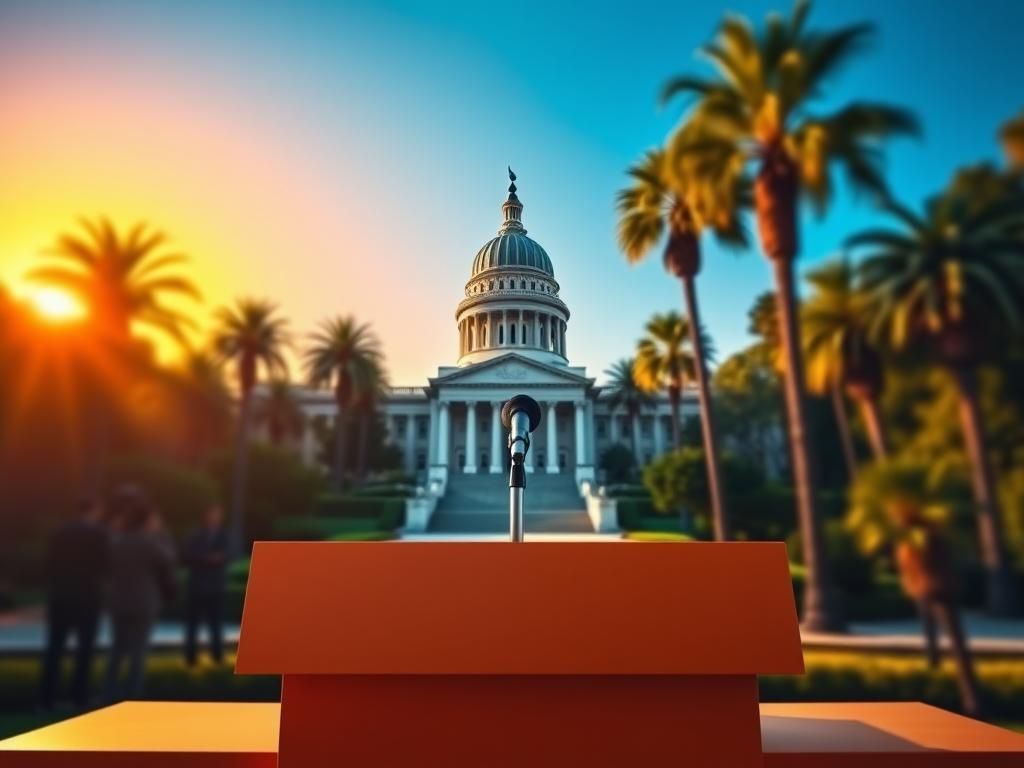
[(479, 504)]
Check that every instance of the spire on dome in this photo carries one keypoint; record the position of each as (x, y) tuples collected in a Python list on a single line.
[(513, 209)]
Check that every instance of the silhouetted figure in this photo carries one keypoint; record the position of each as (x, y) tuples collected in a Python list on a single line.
[(141, 578), (77, 564), (205, 553)]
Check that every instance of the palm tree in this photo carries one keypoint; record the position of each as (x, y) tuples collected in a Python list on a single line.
[(664, 361), (123, 277), (663, 198), (342, 351), (625, 393), (279, 412), (952, 278), (1012, 137), (902, 506), (250, 334), (369, 388), (757, 110), (840, 358)]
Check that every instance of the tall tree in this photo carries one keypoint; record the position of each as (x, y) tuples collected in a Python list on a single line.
[(840, 357), (124, 278), (369, 389), (625, 393), (127, 280), (757, 110), (903, 508), (251, 334), (952, 279), (279, 411), (669, 199), (343, 352), (664, 361)]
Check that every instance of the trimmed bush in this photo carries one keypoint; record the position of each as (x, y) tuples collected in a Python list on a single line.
[(389, 511), (308, 528)]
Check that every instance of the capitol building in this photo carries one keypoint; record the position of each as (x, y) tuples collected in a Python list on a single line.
[(513, 337)]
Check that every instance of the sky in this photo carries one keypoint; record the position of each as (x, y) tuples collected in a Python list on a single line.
[(349, 158)]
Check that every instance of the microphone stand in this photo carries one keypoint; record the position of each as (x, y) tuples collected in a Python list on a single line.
[(516, 484)]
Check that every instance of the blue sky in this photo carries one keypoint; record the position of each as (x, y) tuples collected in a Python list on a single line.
[(393, 123)]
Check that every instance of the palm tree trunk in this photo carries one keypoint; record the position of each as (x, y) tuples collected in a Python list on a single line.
[(948, 616), (843, 425), (719, 513), (872, 415), (634, 432), (340, 449), (1001, 597), (364, 431), (673, 399), (820, 611), (238, 477)]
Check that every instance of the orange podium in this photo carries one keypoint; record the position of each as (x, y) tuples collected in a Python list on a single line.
[(544, 654)]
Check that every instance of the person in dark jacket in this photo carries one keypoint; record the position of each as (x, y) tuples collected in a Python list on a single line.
[(141, 579), (77, 564), (205, 552)]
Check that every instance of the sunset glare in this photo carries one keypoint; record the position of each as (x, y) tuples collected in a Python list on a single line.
[(56, 306)]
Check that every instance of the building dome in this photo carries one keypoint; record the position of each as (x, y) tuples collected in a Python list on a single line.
[(512, 248), (511, 302)]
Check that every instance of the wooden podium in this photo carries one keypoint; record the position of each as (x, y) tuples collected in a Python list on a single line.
[(544, 654)]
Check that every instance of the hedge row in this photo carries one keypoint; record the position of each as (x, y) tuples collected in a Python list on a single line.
[(388, 510)]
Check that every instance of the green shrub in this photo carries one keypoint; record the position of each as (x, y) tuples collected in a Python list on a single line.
[(383, 490), (278, 485), (309, 528), (388, 510), (634, 511)]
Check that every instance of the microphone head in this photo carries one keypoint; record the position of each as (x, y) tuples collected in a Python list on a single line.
[(521, 403)]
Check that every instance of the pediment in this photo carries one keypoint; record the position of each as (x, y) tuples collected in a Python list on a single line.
[(511, 369)]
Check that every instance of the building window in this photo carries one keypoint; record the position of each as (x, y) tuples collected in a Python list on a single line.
[(522, 284), (421, 427), (512, 335), (523, 337), (602, 427), (541, 459), (490, 286), (562, 460), (485, 459), (421, 461), (501, 334), (645, 427), (533, 285), (461, 460), (501, 284)]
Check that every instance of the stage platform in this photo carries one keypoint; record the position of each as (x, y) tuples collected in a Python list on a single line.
[(237, 735)]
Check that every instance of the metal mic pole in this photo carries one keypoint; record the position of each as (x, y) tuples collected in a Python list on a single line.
[(520, 415)]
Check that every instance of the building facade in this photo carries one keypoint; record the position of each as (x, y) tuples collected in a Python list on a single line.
[(512, 332)]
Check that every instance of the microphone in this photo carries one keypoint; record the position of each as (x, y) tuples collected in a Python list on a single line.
[(520, 416)]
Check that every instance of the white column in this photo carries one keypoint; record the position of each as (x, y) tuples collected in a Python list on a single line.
[(591, 434), (552, 467), (432, 435), (496, 432), (410, 445), (581, 439), (613, 426), (470, 468), (536, 330), (564, 326), (504, 325), (442, 435), (659, 434)]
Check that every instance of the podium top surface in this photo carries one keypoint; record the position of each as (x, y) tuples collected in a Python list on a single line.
[(502, 608), (230, 735)]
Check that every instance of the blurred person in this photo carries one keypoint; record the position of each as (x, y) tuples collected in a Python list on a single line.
[(205, 552), (77, 563), (141, 579)]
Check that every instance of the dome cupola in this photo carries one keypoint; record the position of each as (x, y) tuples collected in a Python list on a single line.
[(512, 302), (511, 247)]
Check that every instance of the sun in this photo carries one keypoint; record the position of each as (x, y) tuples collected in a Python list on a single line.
[(56, 305)]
